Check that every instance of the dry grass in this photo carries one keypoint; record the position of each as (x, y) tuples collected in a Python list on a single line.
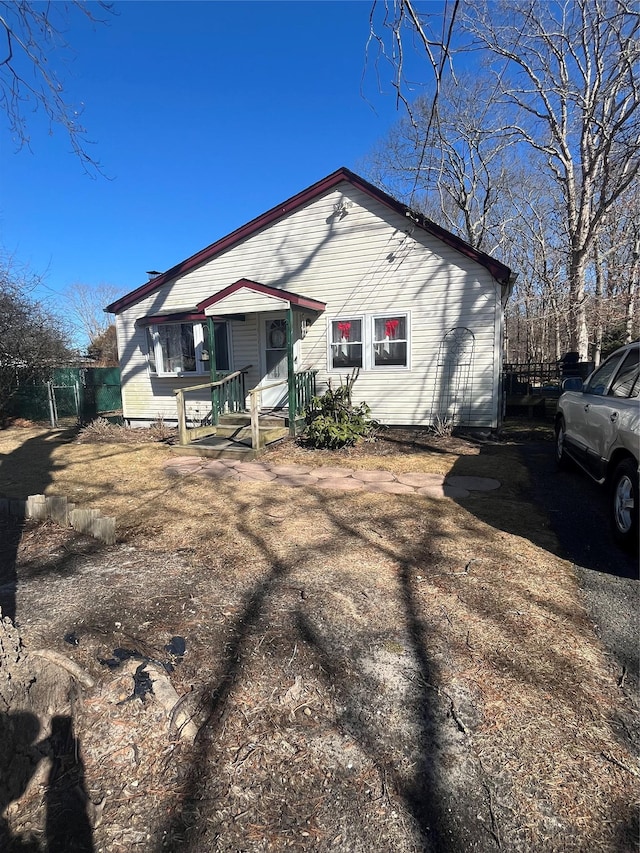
[(381, 605)]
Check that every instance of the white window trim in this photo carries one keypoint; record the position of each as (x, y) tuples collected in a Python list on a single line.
[(368, 338), (202, 367), (387, 315), (345, 318)]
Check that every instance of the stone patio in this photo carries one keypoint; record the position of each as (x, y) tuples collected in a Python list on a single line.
[(326, 477)]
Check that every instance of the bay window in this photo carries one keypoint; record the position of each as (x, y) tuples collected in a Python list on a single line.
[(182, 348)]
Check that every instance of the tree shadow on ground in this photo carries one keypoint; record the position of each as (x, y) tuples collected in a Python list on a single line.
[(572, 510), (439, 821), (24, 471), (569, 518)]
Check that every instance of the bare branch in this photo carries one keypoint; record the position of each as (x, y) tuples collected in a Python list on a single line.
[(29, 83)]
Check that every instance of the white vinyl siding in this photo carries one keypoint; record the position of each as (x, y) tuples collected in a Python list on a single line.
[(370, 263)]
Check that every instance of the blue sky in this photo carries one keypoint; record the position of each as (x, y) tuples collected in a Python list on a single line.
[(204, 115)]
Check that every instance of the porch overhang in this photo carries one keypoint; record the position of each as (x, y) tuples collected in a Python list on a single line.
[(188, 315), (248, 297)]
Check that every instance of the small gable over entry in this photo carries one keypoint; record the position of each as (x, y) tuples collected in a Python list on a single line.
[(246, 297)]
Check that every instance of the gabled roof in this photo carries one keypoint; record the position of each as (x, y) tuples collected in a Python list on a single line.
[(264, 290), (497, 269)]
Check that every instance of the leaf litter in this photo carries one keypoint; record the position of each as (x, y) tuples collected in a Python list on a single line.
[(359, 672)]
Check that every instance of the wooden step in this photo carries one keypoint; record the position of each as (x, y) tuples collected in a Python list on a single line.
[(220, 449), (244, 419), (242, 434), (236, 446)]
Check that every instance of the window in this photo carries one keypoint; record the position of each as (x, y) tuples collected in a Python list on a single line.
[(390, 341), (177, 348), (599, 381), (346, 343), (626, 382), (371, 342)]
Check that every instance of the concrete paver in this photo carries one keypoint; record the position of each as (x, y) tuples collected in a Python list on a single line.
[(325, 471), (297, 480), (373, 476), (218, 474), (259, 474), (341, 484), (393, 488), (454, 491), (434, 491), (419, 479), (288, 470)]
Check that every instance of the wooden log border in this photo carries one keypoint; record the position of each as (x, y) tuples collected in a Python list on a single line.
[(58, 509)]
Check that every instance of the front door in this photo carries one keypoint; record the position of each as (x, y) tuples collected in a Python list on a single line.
[(274, 360)]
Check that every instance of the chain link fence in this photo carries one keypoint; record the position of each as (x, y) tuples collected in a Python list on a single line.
[(73, 393)]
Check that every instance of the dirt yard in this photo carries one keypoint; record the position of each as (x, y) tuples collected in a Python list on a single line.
[(259, 668)]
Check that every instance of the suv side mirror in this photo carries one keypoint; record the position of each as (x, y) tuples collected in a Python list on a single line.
[(573, 383)]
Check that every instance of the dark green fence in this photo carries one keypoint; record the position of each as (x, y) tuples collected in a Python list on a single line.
[(83, 393), (30, 401), (100, 392)]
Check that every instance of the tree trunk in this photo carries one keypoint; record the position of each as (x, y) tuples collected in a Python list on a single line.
[(632, 294), (579, 337), (597, 308)]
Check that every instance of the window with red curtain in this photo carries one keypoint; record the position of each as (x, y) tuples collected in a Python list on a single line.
[(390, 341), (346, 343)]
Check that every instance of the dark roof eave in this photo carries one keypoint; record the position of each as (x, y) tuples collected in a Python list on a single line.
[(177, 317), (498, 270)]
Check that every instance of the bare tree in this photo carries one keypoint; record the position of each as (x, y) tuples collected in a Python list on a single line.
[(391, 24), (86, 313), (453, 163), (569, 73), (533, 243), (565, 77), (33, 338), (104, 348), (32, 45), (612, 317)]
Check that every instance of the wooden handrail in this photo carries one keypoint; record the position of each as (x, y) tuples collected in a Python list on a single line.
[(254, 397), (216, 384), (183, 432), (260, 388)]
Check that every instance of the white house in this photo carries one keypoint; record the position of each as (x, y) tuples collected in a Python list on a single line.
[(340, 276)]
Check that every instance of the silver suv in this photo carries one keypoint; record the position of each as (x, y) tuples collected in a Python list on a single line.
[(598, 426)]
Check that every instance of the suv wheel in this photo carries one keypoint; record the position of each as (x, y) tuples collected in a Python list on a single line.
[(624, 503), (561, 455)]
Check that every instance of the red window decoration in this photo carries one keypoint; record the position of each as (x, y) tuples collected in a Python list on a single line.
[(391, 327), (345, 330)]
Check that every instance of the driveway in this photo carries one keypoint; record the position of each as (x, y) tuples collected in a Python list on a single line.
[(577, 510)]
